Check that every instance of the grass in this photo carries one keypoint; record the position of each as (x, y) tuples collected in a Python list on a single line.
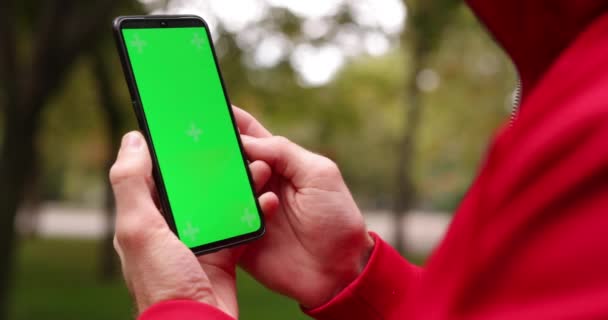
[(57, 279)]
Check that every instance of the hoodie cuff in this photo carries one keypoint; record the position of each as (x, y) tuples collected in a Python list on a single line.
[(183, 310), (380, 290)]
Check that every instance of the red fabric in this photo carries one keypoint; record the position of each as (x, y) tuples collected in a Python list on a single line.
[(183, 310), (530, 239), (378, 292), (535, 32)]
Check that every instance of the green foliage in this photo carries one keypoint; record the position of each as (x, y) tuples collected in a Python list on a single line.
[(427, 21), (356, 119), (461, 116), (73, 140)]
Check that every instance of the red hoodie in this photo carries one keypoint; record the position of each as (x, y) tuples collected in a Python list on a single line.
[(530, 239)]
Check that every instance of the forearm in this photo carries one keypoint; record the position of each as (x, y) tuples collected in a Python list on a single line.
[(380, 292), (183, 309)]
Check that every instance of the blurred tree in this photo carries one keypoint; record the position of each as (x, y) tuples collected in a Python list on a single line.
[(39, 42), (358, 111), (353, 118), (427, 21), (111, 109), (277, 92)]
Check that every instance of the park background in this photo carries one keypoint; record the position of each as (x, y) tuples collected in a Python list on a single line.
[(404, 96)]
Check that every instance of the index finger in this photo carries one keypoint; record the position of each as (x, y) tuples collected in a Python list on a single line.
[(248, 125)]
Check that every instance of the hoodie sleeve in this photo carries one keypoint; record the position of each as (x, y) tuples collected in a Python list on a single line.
[(536, 241), (380, 292), (181, 310)]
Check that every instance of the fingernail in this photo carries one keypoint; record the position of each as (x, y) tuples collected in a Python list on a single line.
[(132, 141)]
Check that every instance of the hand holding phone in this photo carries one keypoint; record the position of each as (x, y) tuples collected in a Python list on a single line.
[(182, 108), (156, 265), (319, 236)]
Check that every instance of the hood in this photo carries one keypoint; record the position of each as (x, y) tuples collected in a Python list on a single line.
[(535, 32)]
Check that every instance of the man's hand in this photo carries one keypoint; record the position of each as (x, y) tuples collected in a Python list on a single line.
[(317, 242), (156, 265)]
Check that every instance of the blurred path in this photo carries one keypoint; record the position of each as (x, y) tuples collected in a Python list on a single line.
[(423, 230)]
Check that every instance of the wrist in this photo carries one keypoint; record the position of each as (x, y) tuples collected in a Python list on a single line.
[(340, 273), (184, 309), (144, 302)]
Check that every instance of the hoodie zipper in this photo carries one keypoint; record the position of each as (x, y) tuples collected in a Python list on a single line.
[(516, 102)]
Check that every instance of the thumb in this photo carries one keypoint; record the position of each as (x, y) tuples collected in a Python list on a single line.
[(129, 176)]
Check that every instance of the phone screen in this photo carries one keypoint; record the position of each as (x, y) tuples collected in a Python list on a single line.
[(192, 134)]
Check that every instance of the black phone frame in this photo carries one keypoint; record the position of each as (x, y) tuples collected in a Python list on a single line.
[(177, 21)]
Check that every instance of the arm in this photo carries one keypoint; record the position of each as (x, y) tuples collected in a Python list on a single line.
[(380, 292), (544, 252), (529, 241), (183, 309), (313, 203), (561, 269), (531, 244)]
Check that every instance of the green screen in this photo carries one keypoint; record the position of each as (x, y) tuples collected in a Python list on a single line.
[(192, 134)]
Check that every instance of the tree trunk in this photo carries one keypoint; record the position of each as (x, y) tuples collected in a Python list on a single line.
[(29, 211), (27, 82), (405, 191), (16, 158), (109, 105)]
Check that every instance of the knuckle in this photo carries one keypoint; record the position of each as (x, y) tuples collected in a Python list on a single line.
[(127, 169), (129, 234), (281, 141), (117, 247), (120, 172), (327, 168), (115, 243)]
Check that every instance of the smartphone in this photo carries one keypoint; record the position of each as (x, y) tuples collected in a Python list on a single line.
[(181, 104)]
